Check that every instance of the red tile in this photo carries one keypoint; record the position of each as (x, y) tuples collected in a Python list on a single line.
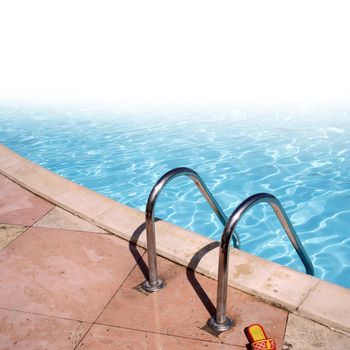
[(63, 273), (19, 206), (26, 331), (111, 338), (178, 310)]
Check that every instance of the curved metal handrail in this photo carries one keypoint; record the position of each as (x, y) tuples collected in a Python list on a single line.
[(220, 321), (154, 283)]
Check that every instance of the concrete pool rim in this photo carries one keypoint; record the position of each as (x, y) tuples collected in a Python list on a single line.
[(307, 296)]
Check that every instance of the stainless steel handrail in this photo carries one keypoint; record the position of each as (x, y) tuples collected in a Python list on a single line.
[(154, 283), (220, 321)]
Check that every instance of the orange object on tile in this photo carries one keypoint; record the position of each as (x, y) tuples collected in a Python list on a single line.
[(258, 339)]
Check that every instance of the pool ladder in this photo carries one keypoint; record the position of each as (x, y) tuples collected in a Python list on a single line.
[(220, 322)]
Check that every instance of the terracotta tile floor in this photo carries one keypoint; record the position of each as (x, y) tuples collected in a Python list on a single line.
[(21, 330), (19, 206), (63, 289), (179, 310), (104, 338), (61, 273)]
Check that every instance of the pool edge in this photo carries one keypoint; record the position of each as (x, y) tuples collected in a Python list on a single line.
[(299, 293)]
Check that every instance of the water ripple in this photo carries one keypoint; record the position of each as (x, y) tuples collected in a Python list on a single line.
[(298, 157)]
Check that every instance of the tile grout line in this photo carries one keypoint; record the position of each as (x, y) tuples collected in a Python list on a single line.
[(26, 228), (347, 334), (140, 330), (285, 328), (21, 184), (152, 332), (56, 203), (113, 326), (43, 315), (50, 199), (307, 295), (298, 313), (104, 308), (49, 211), (72, 231), (170, 335), (82, 338), (59, 205)]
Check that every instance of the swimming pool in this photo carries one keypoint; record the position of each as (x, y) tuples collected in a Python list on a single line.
[(303, 159)]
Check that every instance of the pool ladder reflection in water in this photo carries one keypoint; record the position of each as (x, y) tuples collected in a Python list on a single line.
[(219, 322)]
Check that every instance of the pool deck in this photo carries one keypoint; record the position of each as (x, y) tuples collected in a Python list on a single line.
[(70, 276)]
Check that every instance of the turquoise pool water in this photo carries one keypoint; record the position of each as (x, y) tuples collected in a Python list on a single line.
[(301, 158)]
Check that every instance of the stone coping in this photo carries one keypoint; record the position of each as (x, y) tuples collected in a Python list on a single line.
[(308, 296)]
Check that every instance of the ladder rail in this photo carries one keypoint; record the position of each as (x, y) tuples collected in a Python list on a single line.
[(220, 321), (154, 283)]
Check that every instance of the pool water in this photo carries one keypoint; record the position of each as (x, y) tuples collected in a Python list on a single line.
[(302, 158)]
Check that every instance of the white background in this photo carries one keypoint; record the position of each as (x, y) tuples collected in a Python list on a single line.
[(175, 51)]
